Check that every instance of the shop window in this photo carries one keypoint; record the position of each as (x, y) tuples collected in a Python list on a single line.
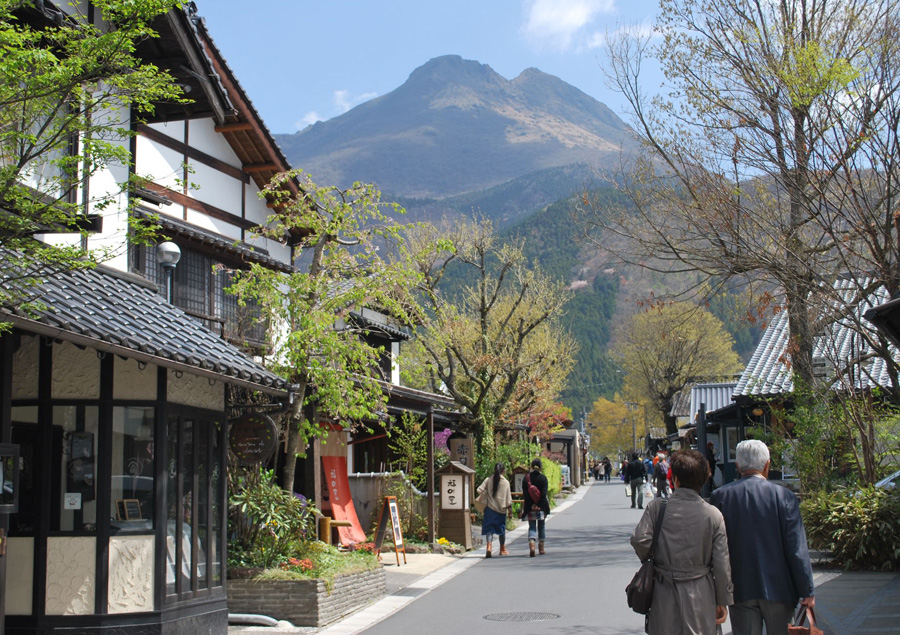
[(77, 504), (24, 433), (132, 486), (193, 494)]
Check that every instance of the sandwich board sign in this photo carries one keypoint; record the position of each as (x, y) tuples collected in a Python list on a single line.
[(390, 513)]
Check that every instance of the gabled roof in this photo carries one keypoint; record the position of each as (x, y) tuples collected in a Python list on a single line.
[(768, 375), (118, 313)]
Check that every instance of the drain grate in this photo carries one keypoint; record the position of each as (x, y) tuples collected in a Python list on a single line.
[(521, 617), (409, 592)]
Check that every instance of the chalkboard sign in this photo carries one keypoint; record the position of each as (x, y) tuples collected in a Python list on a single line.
[(389, 512), (128, 509), (252, 439)]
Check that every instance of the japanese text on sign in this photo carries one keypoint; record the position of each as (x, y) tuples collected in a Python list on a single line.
[(452, 491)]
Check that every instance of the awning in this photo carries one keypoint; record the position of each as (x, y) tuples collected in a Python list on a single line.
[(119, 313)]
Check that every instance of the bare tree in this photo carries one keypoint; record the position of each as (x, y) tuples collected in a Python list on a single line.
[(770, 103)]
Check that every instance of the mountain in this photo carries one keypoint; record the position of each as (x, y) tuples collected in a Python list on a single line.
[(456, 127)]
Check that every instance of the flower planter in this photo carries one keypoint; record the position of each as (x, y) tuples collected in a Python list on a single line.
[(307, 602)]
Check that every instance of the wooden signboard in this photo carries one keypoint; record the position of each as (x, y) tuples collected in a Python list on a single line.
[(389, 512)]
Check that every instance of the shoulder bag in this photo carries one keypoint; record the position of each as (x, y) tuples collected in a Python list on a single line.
[(640, 590), (481, 499)]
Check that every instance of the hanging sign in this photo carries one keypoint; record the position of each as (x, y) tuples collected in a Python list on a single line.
[(252, 438), (390, 513)]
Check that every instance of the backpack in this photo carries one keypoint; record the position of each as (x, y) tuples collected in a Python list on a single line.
[(533, 490), (661, 470)]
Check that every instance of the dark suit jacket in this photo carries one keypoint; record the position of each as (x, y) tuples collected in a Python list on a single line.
[(766, 541)]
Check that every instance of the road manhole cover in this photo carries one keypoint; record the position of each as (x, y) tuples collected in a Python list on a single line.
[(521, 617)]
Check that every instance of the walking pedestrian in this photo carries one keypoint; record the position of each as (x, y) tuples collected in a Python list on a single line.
[(693, 575), (607, 469), (767, 542), (661, 477), (498, 506), (635, 475), (535, 512)]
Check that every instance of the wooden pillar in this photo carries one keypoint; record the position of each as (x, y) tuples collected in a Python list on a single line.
[(430, 472)]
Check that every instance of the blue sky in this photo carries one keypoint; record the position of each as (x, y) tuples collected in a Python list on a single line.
[(307, 60)]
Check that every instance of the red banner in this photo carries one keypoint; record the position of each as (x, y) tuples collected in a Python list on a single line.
[(341, 502)]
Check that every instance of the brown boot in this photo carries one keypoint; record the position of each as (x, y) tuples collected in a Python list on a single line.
[(541, 547), (503, 551), (531, 548)]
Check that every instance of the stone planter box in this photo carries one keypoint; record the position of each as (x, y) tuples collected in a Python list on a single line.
[(306, 602)]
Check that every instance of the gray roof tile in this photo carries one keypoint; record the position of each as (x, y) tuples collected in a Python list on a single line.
[(108, 307)]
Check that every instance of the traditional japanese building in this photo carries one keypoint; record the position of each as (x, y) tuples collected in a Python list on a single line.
[(118, 392)]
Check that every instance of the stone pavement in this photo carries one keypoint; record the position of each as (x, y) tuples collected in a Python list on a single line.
[(847, 603)]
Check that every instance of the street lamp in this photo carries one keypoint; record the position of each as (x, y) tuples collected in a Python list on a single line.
[(168, 254)]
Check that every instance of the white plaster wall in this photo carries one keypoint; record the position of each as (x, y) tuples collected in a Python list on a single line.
[(193, 390), (158, 163), (277, 250), (130, 574), (76, 372), (109, 181), (215, 188), (256, 209), (130, 382), (25, 369), (214, 224), (19, 575), (70, 575), (204, 137), (395, 367), (174, 129)]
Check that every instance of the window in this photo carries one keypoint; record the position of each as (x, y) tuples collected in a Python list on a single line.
[(193, 492), (131, 493), (199, 289)]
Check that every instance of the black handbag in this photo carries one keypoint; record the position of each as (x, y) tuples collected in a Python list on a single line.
[(640, 590)]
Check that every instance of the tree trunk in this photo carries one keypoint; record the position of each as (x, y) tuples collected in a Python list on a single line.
[(294, 439)]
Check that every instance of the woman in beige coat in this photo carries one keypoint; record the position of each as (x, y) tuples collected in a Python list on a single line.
[(693, 575), (498, 505)]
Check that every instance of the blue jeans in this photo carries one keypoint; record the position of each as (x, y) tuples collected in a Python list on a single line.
[(536, 528)]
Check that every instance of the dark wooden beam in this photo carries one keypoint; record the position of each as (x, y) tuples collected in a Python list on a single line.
[(261, 167), (191, 153), (234, 127)]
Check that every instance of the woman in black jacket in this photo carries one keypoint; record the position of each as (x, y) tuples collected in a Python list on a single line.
[(535, 512)]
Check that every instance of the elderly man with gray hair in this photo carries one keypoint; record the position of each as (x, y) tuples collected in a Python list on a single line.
[(767, 546)]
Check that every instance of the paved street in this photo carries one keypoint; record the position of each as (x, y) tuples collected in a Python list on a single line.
[(578, 587)]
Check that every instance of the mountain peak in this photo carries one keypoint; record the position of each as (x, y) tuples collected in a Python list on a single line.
[(458, 126)]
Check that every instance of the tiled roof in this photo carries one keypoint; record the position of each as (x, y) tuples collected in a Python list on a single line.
[(111, 311), (712, 396), (767, 374)]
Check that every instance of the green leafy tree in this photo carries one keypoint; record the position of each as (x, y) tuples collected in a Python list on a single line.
[(315, 342), (69, 90), (614, 425), (494, 342), (667, 347)]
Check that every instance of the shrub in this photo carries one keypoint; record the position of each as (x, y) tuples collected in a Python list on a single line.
[(266, 524), (554, 477), (861, 529)]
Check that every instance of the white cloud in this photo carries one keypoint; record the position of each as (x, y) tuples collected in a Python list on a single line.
[(597, 39), (557, 23), (308, 119), (344, 101)]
